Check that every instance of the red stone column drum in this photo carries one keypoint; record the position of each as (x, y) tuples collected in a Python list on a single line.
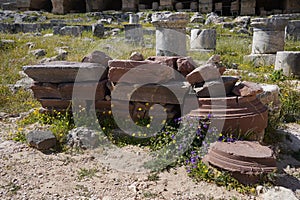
[(242, 115), (245, 160)]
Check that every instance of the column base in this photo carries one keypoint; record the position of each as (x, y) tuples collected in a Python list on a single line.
[(261, 59)]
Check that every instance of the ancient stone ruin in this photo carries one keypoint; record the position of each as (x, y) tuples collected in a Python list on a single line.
[(268, 38), (134, 86), (245, 160), (55, 83), (224, 7), (170, 33)]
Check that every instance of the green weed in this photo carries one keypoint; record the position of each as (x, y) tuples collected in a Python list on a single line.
[(86, 173)]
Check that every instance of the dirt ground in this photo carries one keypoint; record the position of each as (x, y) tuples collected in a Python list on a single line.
[(27, 173)]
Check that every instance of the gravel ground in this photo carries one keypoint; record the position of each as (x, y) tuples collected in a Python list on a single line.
[(27, 173)]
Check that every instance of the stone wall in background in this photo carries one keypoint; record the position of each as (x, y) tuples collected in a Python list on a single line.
[(242, 7)]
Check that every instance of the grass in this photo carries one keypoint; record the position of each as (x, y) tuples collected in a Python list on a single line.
[(84, 173), (153, 177)]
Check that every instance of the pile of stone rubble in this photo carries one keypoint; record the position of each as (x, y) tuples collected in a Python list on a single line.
[(170, 81)]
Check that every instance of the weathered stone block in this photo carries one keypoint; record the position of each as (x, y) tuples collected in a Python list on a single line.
[(203, 39), (71, 31), (45, 90), (289, 62), (216, 88), (42, 140), (134, 33), (261, 59), (139, 71), (94, 5), (267, 42), (186, 65), (23, 4), (98, 30), (97, 57), (205, 72), (130, 5), (152, 93), (170, 33), (9, 6), (134, 19), (248, 7), (59, 7), (55, 104), (246, 160), (170, 61), (84, 138), (83, 90), (247, 88), (62, 72), (205, 6), (292, 30)]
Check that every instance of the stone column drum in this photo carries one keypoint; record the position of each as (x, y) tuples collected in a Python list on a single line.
[(203, 40), (268, 35), (134, 33), (130, 5), (194, 6), (268, 38), (170, 33), (292, 31), (155, 6), (133, 19), (289, 62)]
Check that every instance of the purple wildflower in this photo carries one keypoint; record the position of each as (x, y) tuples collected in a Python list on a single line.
[(180, 147), (209, 116), (198, 132), (193, 160)]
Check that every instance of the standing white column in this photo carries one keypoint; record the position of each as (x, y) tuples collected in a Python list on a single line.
[(170, 33)]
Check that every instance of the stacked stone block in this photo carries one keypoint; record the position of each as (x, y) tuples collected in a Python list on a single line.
[(130, 5), (166, 5), (248, 7), (149, 82), (205, 6), (55, 81), (8, 4), (133, 88)]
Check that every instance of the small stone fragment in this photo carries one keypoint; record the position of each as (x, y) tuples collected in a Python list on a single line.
[(136, 56), (205, 72), (216, 88), (83, 138), (42, 140), (98, 30), (186, 65), (38, 52), (247, 88), (165, 60), (97, 57)]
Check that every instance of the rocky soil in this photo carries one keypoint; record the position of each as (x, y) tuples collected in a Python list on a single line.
[(27, 173)]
